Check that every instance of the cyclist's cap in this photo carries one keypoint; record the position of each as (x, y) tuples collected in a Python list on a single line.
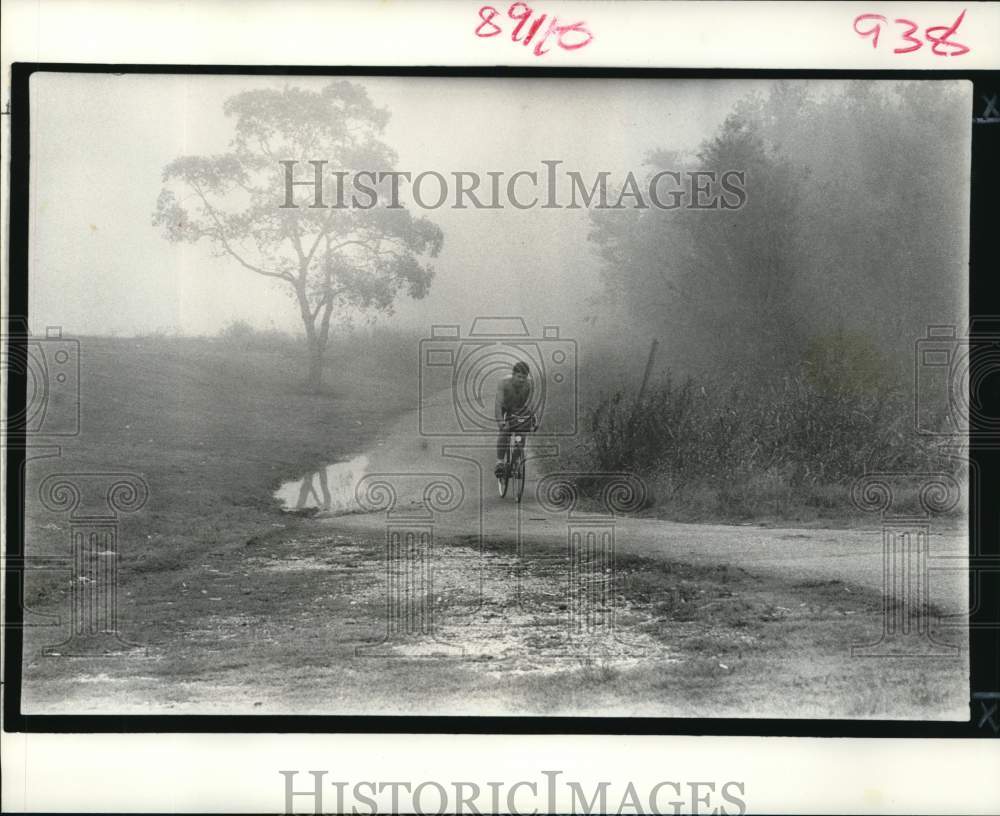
[(521, 368)]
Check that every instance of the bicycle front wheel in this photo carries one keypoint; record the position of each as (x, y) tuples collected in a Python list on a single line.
[(503, 480), (517, 468)]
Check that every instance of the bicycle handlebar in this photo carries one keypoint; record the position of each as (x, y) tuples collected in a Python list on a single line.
[(516, 419)]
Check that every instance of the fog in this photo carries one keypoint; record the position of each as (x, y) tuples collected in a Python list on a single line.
[(98, 266), (99, 144)]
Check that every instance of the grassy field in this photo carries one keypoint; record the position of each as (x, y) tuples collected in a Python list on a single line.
[(213, 428), (241, 608)]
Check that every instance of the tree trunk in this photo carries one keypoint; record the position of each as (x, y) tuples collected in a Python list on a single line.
[(315, 378), (314, 343)]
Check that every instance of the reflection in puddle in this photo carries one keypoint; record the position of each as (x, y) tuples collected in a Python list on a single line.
[(330, 489)]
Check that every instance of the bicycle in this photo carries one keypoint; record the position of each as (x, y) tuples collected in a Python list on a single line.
[(514, 459)]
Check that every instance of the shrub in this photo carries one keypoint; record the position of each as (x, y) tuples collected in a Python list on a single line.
[(762, 447), (242, 335)]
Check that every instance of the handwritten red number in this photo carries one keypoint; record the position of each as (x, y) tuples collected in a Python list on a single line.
[(943, 41), (869, 32), (908, 37), (538, 31), (486, 14), (535, 26), (522, 14), (939, 37), (576, 28), (553, 28)]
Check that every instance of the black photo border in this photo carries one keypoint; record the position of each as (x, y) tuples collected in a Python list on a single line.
[(984, 300)]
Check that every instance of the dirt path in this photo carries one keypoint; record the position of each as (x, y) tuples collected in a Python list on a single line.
[(408, 462), (318, 615)]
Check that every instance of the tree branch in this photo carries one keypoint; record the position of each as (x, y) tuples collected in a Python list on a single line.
[(220, 234)]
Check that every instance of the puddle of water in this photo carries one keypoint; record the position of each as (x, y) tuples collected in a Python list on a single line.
[(329, 490)]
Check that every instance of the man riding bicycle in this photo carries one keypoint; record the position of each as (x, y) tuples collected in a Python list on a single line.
[(512, 409)]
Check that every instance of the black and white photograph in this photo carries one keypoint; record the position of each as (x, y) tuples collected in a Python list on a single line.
[(497, 396)]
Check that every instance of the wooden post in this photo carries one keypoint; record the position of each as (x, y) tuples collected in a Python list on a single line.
[(645, 382), (649, 369)]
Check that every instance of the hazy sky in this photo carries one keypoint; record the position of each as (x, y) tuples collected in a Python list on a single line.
[(100, 142)]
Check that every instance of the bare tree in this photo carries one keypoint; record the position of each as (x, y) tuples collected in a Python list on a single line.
[(334, 259)]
